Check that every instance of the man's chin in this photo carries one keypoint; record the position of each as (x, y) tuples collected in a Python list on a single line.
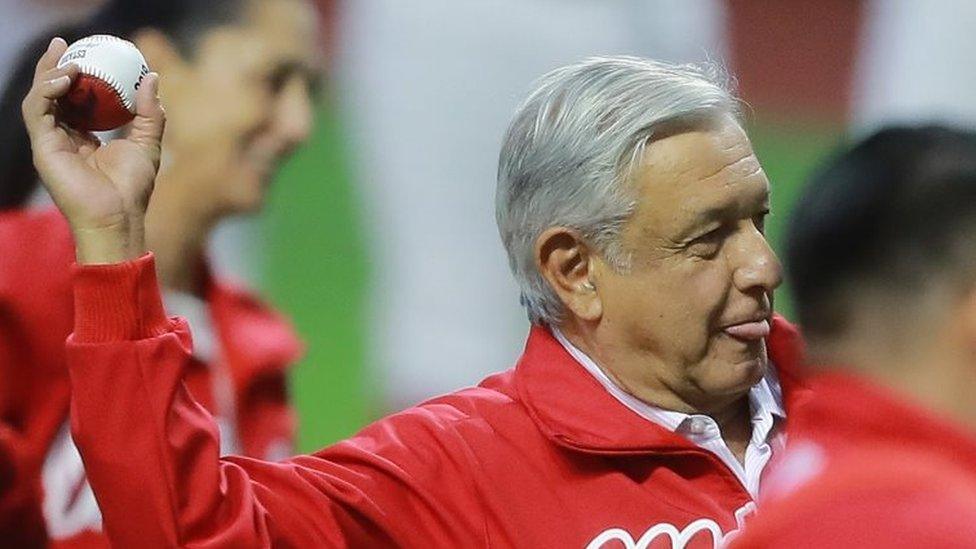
[(754, 369), (743, 374), (250, 194)]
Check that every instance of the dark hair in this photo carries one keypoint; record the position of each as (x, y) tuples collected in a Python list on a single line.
[(183, 21), (896, 213)]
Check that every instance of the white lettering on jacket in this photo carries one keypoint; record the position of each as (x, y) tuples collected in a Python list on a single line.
[(699, 530)]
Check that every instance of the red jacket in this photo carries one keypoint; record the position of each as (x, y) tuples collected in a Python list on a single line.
[(255, 343), (21, 521), (866, 469), (537, 456)]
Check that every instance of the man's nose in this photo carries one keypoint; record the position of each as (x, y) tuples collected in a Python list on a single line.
[(756, 264), (295, 113)]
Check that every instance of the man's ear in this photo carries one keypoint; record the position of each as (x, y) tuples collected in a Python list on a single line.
[(565, 260), (160, 52)]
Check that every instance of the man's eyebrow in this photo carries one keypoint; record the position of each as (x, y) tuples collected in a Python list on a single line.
[(311, 74), (704, 219), (291, 67), (716, 213)]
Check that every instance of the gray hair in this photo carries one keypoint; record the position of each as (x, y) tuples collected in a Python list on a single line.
[(569, 152)]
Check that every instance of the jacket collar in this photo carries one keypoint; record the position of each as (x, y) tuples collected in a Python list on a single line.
[(574, 410), (255, 340)]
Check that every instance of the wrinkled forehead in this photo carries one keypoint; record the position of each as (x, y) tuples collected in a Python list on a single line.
[(692, 173)]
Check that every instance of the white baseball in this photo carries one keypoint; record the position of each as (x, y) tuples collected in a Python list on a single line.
[(113, 60)]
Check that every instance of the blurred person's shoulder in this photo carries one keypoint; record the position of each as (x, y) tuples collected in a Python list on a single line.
[(872, 469), (32, 238), (883, 496), (849, 419), (850, 414), (38, 252)]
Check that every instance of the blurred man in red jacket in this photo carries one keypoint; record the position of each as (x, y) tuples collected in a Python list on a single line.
[(21, 521), (239, 78), (650, 397), (882, 255)]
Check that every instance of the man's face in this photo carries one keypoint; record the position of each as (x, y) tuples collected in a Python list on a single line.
[(242, 103), (695, 304)]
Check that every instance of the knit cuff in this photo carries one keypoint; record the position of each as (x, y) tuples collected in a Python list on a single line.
[(118, 302)]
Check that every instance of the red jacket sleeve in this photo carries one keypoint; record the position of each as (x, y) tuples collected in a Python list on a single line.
[(151, 452)]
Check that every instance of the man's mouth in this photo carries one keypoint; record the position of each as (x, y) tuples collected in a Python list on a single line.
[(263, 165), (748, 331)]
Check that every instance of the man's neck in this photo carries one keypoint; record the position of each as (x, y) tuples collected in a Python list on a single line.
[(177, 231), (933, 366), (938, 376), (735, 424)]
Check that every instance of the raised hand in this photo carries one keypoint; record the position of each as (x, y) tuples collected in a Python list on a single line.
[(102, 189)]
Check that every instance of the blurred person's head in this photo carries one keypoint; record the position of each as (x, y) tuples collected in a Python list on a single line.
[(882, 258), (235, 78), (631, 206)]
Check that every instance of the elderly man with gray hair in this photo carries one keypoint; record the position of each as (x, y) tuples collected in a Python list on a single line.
[(648, 401)]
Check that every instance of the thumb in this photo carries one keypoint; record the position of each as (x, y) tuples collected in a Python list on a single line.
[(150, 119)]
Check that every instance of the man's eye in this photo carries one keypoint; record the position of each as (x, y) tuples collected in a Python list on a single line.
[(708, 244), (276, 81), (281, 75)]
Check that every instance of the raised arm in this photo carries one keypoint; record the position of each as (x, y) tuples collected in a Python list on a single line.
[(151, 452)]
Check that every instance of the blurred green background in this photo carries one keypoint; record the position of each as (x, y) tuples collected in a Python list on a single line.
[(317, 272)]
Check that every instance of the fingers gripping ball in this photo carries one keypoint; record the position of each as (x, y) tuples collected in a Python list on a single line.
[(103, 97)]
